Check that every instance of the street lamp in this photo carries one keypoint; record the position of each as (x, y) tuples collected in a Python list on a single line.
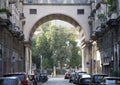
[(41, 62)]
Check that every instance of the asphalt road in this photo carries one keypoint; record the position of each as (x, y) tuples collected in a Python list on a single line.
[(57, 81)]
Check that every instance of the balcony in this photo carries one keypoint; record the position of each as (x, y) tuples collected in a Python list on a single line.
[(22, 16), (5, 17), (112, 23), (12, 1), (17, 33)]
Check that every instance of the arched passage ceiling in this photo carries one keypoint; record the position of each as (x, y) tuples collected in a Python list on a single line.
[(59, 17)]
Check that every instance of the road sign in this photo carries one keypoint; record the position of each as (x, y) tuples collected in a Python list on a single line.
[(88, 64)]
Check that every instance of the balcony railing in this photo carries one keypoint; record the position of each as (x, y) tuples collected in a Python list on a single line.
[(57, 1), (3, 15), (4, 19)]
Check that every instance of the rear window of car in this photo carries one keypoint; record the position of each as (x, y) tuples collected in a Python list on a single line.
[(113, 81), (7, 82), (86, 80), (43, 74), (110, 82)]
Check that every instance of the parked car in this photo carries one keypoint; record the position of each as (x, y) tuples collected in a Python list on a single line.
[(43, 77), (97, 78), (72, 77), (22, 76), (85, 79), (67, 75), (9, 81), (110, 81), (37, 77), (32, 77), (77, 76)]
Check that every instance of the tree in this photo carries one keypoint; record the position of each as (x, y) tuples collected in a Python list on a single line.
[(35, 53), (56, 43), (75, 59)]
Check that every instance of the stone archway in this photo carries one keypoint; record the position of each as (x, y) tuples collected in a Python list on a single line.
[(63, 18), (53, 17)]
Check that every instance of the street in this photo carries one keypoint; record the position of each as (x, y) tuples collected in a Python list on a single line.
[(57, 81), (48, 42)]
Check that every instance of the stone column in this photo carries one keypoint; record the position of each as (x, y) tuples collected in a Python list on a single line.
[(28, 55), (83, 62), (84, 58), (89, 56)]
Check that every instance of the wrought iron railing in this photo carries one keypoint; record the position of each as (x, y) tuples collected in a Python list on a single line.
[(57, 1)]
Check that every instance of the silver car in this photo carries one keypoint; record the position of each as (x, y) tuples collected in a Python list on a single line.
[(111, 81), (9, 81)]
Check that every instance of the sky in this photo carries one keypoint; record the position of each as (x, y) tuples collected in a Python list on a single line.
[(58, 22), (63, 23)]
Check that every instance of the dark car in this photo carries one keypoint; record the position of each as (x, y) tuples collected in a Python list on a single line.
[(97, 78), (22, 76), (111, 81), (77, 76), (72, 77), (9, 81), (43, 77), (32, 77)]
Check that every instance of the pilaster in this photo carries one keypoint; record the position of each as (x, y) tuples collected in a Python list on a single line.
[(87, 57), (28, 57)]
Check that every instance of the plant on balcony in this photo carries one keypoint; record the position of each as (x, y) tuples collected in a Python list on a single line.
[(101, 16), (111, 6), (6, 11), (98, 6)]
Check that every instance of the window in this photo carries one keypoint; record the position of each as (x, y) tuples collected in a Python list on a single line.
[(80, 11), (33, 11), (30, 1), (45, 1)]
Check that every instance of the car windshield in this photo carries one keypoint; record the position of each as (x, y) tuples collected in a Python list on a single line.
[(7, 82), (21, 77), (99, 78)]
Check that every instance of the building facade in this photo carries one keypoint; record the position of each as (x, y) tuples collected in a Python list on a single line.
[(11, 37), (106, 33)]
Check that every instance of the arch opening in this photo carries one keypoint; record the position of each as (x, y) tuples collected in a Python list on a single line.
[(65, 46), (61, 17), (58, 17)]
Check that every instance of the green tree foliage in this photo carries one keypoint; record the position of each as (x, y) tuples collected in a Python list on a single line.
[(43, 47), (59, 45), (75, 59), (56, 44), (35, 53), (111, 6)]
